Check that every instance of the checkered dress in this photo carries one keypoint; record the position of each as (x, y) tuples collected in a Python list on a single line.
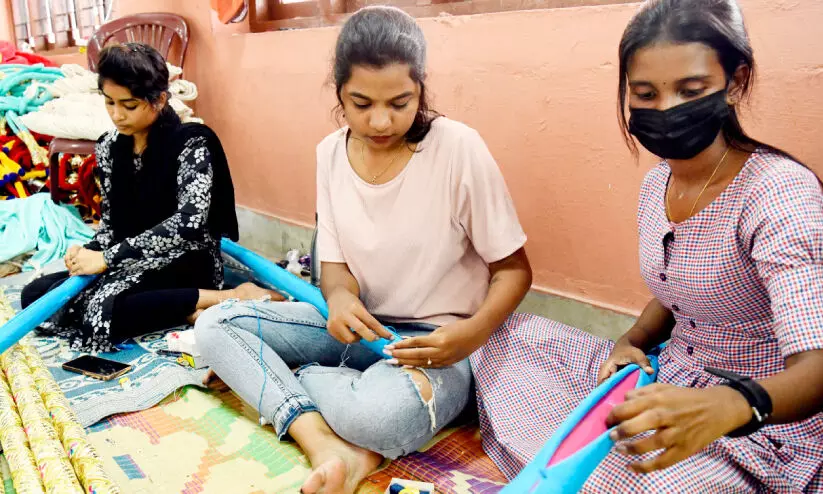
[(744, 280)]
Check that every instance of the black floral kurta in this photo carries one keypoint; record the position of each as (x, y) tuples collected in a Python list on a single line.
[(86, 320)]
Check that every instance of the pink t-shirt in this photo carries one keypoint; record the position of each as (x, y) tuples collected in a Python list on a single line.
[(419, 246)]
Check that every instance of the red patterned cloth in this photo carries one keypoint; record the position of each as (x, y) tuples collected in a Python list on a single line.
[(744, 279), (10, 55)]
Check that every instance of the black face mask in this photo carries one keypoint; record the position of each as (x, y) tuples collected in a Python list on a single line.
[(681, 132)]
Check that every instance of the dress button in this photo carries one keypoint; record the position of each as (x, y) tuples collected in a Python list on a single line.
[(690, 350), (675, 308), (692, 324), (662, 276)]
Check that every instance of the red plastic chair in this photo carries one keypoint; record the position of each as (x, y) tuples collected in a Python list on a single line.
[(167, 33)]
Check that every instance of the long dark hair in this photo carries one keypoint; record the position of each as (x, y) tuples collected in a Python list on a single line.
[(714, 23), (377, 36), (139, 68)]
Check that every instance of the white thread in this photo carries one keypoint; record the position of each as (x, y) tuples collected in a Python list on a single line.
[(38, 270), (174, 71), (183, 90)]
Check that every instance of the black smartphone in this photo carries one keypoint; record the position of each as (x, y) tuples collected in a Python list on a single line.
[(96, 367)]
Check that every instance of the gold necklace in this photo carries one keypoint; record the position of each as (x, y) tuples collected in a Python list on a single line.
[(706, 185), (363, 160)]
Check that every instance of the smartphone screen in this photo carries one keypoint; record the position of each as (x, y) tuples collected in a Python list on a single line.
[(96, 366)]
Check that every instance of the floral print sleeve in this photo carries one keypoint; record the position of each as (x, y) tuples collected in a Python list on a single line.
[(103, 238), (184, 231)]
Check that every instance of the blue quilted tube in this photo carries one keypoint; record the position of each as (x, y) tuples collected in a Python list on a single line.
[(569, 475), (43, 308), (298, 288)]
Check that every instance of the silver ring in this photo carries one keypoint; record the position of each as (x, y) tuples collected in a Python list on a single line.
[(430, 361)]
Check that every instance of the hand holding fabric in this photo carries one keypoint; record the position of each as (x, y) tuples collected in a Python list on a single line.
[(349, 320), (623, 354), (684, 421), (443, 347)]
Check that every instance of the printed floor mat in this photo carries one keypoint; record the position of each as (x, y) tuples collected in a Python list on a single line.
[(206, 441)]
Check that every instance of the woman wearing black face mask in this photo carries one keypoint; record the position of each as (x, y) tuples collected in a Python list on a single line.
[(731, 245)]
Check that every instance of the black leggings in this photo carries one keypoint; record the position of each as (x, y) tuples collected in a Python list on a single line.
[(135, 312)]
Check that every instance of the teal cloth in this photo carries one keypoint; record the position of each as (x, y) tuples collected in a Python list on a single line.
[(37, 223)]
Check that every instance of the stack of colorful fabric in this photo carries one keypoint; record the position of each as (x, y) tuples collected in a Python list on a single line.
[(76, 110), (23, 155), (39, 102), (21, 176), (24, 89)]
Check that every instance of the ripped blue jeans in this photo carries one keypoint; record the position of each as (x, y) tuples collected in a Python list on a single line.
[(365, 400)]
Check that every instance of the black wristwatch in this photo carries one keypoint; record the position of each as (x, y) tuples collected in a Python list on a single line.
[(755, 394)]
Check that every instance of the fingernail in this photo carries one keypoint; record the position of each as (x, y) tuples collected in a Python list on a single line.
[(389, 347), (387, 351), (408, 367), (613, 435), (392, 361), (621, 449)]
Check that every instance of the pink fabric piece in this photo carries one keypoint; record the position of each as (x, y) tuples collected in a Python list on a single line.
[(594, 422), (419, 245)]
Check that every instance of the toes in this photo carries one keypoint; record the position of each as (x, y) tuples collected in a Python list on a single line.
[(314, 482), (192, 318)]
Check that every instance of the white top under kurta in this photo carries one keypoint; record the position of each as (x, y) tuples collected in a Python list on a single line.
[(420, 244)]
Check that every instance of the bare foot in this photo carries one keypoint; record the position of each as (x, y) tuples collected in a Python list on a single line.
[(340, 470), (192, 318), (213, 382), (250, 291), (210, 375)]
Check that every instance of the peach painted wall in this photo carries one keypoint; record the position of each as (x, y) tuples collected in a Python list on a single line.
[(6, 22), (539, 86)]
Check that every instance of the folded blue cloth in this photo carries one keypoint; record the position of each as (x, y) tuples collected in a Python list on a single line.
[(37, 223)]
